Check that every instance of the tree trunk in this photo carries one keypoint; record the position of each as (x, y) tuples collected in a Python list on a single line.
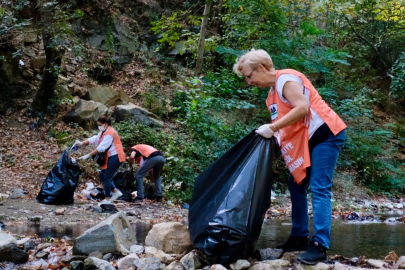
[(53, 55), (201, 41)]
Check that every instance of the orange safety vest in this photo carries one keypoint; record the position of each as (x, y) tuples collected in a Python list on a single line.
[(117, 144), (145, 151), (294, 139)]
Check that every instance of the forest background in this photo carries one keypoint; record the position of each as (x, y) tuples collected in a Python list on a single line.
[(353, 51)]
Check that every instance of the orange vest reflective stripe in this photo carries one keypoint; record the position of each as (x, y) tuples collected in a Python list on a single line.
[(117, 144), (293, 140)]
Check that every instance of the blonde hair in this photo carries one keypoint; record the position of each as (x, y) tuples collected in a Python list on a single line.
[(252, 59)]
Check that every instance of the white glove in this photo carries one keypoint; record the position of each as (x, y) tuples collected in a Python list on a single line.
[(265, 131), (78, 143), (85, 157)]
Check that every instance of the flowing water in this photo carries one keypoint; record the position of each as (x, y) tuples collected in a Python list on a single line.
[(349, 238)]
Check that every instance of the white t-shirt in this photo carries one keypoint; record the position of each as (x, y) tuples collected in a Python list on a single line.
[(316, 120), (105, 143)]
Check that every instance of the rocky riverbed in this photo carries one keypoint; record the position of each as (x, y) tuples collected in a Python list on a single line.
[(35, 252)]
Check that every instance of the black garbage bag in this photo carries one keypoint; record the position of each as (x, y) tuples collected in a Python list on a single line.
[(61, 182), (125, 181), (230, 200)]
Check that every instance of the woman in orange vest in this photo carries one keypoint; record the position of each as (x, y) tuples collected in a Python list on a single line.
[(107, 140), (148, 158), (310, 135)]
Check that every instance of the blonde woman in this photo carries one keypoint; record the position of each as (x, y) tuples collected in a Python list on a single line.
[(310, 135)]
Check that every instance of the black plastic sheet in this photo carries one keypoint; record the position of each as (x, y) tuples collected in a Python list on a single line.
[(230, 200), (61, 182)]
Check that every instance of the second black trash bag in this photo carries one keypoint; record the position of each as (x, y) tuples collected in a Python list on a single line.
[(230, 200), (61, 182)]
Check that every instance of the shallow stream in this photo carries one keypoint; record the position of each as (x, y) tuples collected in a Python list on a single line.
[(349, 238)]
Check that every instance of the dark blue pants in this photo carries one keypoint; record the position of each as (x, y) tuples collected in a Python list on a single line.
[(106, 175), (320, 178)]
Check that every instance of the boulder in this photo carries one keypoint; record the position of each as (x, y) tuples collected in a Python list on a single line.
[(148, 263), (38, 62), (127, 262), (192, 260), (30, 35), (93, 263), (137, 114), (240, 265), (160, 255), (268, 254), (108, 96), (217, 267), (175, 266), (170, 237), (107, 236), (86, 113), (260, 266), (318, 266), (9, 252), (278, 264), (138, 249)]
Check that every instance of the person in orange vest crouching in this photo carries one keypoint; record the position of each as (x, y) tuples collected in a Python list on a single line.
[(107, 141), (149, 159), (310, 135)]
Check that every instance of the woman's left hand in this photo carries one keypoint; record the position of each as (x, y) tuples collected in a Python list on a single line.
[(87, 156)]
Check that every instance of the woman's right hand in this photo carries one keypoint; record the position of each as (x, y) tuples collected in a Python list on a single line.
[(265, 131)]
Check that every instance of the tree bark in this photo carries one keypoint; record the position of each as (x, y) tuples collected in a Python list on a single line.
[(201, 41), (53, 55)]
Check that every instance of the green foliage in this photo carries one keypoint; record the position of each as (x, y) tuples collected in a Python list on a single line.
[(109, 36), (2, 13), (176, 28), (78, 14), (398, 77), (208, 127), (367, 147)]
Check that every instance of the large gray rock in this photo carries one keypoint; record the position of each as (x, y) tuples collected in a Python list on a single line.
[(268, 254), (149, 263), (38, 62), (170, 237), (278, 264), (108, 96), (137, 114), (260, 266), (93, 263), (107, 236), (175, 266), (158, 254), (127, 262), (86, 113), (240, 265), (30, 35), (192, 260), (9, 252)]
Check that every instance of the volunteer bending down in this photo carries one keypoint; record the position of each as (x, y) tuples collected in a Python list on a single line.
[(310, 135), (150, 160), (107, 140)]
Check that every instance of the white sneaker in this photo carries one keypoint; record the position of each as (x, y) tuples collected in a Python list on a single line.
[(115, 196), (104, 202)]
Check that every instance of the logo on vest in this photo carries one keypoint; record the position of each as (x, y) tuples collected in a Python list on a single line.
[(274, 111)]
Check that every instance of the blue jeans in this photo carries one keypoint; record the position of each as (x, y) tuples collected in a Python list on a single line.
[(107, 175), (155, 163), (320, 178)]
